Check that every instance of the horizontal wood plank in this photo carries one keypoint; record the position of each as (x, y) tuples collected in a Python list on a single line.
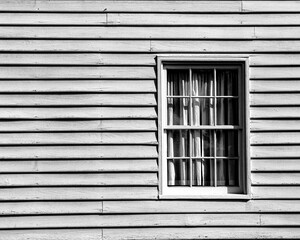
[(77, 193), (275, 178), (76, 59), (277, 32), (274, 59), (274, 125), (274, 72), (120, 6), (107, 165), (78, 112), (77, 72), (86, 179), (77, 86), (272, 192), (275, 112), (282, 99), (200, 233), (78, 100), (112, 207), (274, 138), (55, 234), (271, 6), (279, 165), (78, 126), (275, 85), (275, 151), (75, 152)]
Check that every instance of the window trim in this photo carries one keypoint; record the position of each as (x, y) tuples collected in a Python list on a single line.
[(169, 59)]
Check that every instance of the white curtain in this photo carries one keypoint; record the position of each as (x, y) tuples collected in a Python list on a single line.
[(202, 113)]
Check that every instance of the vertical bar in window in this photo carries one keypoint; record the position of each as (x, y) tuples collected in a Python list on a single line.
[(190, 123), (215, 120)]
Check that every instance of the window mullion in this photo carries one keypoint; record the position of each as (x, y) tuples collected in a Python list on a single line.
[(190, 123), (215, 123)]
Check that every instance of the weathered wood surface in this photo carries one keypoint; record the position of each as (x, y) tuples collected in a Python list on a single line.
[(77, 193), (69, 152), (77, 86), (282, 99), (83, 179), (275, 112), (78, 112), (274, 72), (275, 85), (267, 138), (107, 165), (78, 126), (160, 19), (201, 233), (274, 125), (77, 72), (275, 178), (280, 151), (279, 165), (78, 100), (274, 192)]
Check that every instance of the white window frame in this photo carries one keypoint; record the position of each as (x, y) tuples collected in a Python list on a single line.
[(186, 192)]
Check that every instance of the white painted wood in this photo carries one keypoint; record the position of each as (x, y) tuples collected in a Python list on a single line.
[(83, 179), (272, 192), (69, 152), (284, 99), (275, 178), (78, 126), (129, 32), (107, 165), (41, 86), (76, 58), (200, 233), (280, 165), (271, 6), (120, 6), (280, 219), (78, 112), (52, 234), (275, 151), (275, 112), (277, 32), (274, 125), (275, 138), (77, 193), (274, 72), (208, 206), (274, 59), (78, 100), (274, 85), (77, 72), (26, 208)]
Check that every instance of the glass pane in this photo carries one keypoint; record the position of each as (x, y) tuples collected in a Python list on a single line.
[(227, 143), (227, 172), (178, 143), (203, 172), (178, 82), (227, 82), (178, 111), (202, 143), (202, 111), (202, 82), (178, 172), (227, 111)]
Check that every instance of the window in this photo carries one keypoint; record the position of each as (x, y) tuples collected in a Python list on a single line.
[(203, 133)]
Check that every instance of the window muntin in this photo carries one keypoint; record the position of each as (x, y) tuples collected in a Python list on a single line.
[(203, 128)]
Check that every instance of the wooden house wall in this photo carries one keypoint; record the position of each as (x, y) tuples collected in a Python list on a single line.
[(78, 110)]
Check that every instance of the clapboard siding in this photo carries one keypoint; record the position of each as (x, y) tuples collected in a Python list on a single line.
[(79, 120)]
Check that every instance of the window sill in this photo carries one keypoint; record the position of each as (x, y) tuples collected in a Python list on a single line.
[(245, 197)]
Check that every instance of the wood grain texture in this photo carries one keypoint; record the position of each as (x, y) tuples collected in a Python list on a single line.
[(77, 86), (120, 6), (55, 234), (274, 125), (267, 138), (78, 126), (200, 206), (107, 165), (272, 192), (77, 72), (69, 152), (275, 178), (280, 165), (78, 100), (200, 233), (78, 112), (77, 193), (83, 179)]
